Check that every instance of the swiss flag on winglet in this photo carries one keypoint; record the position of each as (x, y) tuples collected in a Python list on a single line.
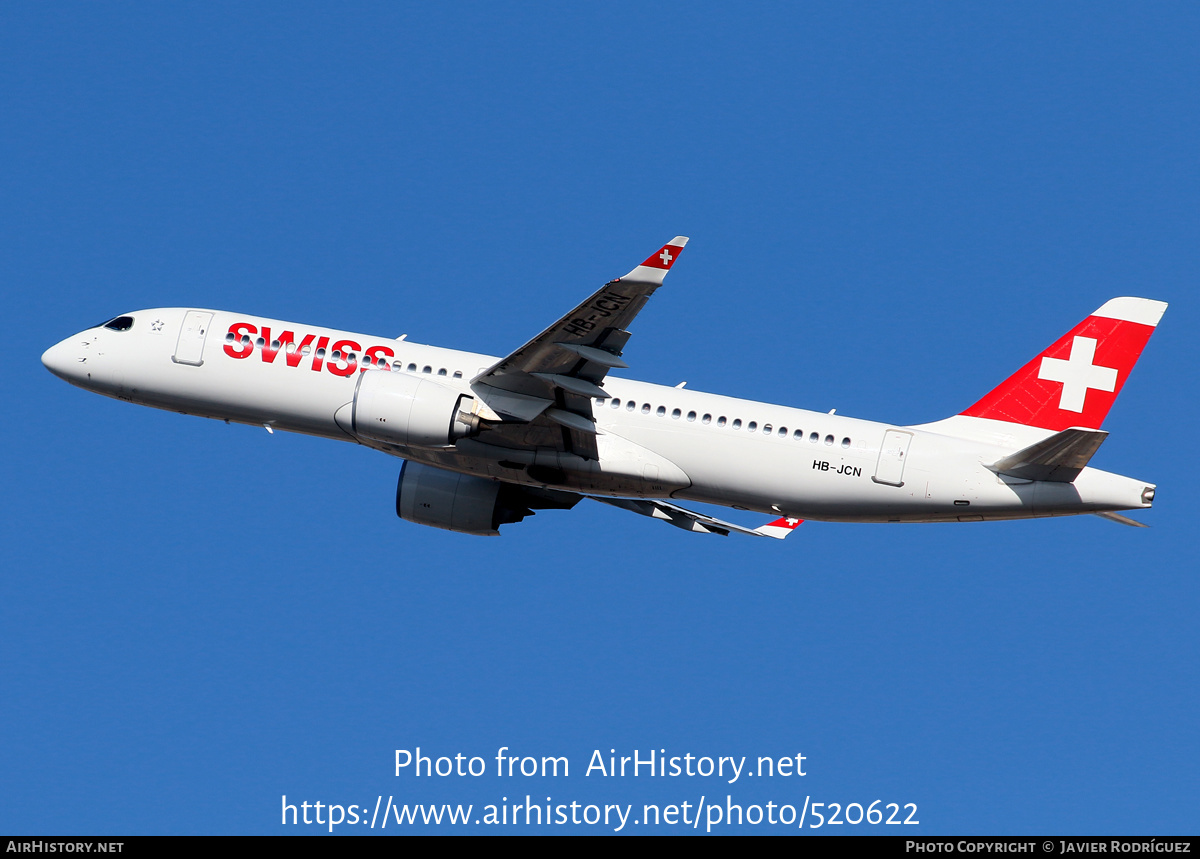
[(1075, 381), (778, 529), (665, 258)]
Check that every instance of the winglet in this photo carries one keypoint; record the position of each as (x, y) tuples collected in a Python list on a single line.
[(656, 266), (778, 529)]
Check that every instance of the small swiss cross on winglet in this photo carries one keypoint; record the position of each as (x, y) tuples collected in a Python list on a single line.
[(654, 269), (778, 529), (667, 255)]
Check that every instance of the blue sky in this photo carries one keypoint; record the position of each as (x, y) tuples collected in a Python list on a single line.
[(891, 208)]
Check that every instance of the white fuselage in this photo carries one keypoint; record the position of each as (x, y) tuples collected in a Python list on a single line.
[(654, 441)]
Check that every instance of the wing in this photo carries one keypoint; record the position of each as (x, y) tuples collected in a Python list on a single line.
[(543, 391), (689, 520)]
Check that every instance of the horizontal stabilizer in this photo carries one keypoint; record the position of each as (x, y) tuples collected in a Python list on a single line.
[(1121, 520), (1058, 459)]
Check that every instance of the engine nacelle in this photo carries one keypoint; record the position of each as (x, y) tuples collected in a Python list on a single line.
[(400, 408), (472, 505)]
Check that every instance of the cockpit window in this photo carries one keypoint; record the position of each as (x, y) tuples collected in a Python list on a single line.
[(121, 323)]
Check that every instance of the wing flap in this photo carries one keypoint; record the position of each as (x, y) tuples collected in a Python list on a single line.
[(571, 420), (520, 407), (602, 357), (573, 384)]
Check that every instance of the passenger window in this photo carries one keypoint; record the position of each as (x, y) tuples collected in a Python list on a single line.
[(614, 403), (457, 374), (397, 365), (662, 410), (798, 435), (737, 423), (707, 419), (721, 421), (366, 358), (691, 416), (442, 371), (630, 406), (766, 429), (845, 442), (675, 414), (426, 369), (412, 368), (645, 408), (829, 439), (783, 432), (752, 426)]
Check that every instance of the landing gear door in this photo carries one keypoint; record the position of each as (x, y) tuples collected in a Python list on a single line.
[(190, 348), (890, 468)]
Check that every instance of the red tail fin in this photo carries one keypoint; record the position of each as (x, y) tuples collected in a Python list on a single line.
[(1075, 381)]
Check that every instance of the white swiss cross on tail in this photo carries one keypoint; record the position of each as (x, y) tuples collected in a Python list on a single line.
[(1077, 374), (1090, 362)]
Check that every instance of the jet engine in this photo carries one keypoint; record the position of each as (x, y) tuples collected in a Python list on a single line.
[(399, 408), (472, 505)]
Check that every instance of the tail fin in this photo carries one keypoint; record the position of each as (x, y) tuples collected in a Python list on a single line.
[(1075, 381)]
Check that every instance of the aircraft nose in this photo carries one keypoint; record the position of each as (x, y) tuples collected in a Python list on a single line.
[(62, 359)]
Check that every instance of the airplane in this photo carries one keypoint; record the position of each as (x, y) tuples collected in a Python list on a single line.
[(488, 441)]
